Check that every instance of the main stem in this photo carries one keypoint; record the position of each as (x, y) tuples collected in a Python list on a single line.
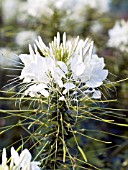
[(57, 151)]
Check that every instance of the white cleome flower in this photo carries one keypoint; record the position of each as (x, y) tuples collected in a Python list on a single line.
[(9, 9), (96, 27), (19, 162), (37, 8), (63, 68), (23, 160), (79, 5), (25, 37), (4, 166), (91, 71), (7, 57), (118, 36)]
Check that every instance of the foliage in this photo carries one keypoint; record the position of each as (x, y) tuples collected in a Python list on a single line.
[(100, 130)]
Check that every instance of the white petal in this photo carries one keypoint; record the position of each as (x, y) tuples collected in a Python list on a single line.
[(63, 66), (31, 91), (69, 86), (42, 45), (59, 72), (50, 64), (75, 61), (44, 93), (26, 80), (91, 50), (62, 98), (26, 71), (89, 91), (96, 94), (26, 59), (93, 84), (15, 156), (64, 39), (34, 166), (31, 52), (103, 74), (65, 91), (40, 87), (80, 69), (4, 159), (60, 83), (25, 157), (86, 48), (32, 94), (5, 167), (75, 92), (58, 39)]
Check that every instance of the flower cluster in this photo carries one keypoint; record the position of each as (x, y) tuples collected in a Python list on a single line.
[(65, 68), (25, 37), (19, 162), (7, 57), (119, 36), (36, 10), (38, 7)]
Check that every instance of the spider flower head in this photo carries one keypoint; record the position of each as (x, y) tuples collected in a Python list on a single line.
[(64, 68), (22, 161), (118, 36)]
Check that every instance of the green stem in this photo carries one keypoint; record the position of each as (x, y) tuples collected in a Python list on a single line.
[(56, 153)]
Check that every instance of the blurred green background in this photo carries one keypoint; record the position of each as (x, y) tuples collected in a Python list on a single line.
[(21, 22)]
